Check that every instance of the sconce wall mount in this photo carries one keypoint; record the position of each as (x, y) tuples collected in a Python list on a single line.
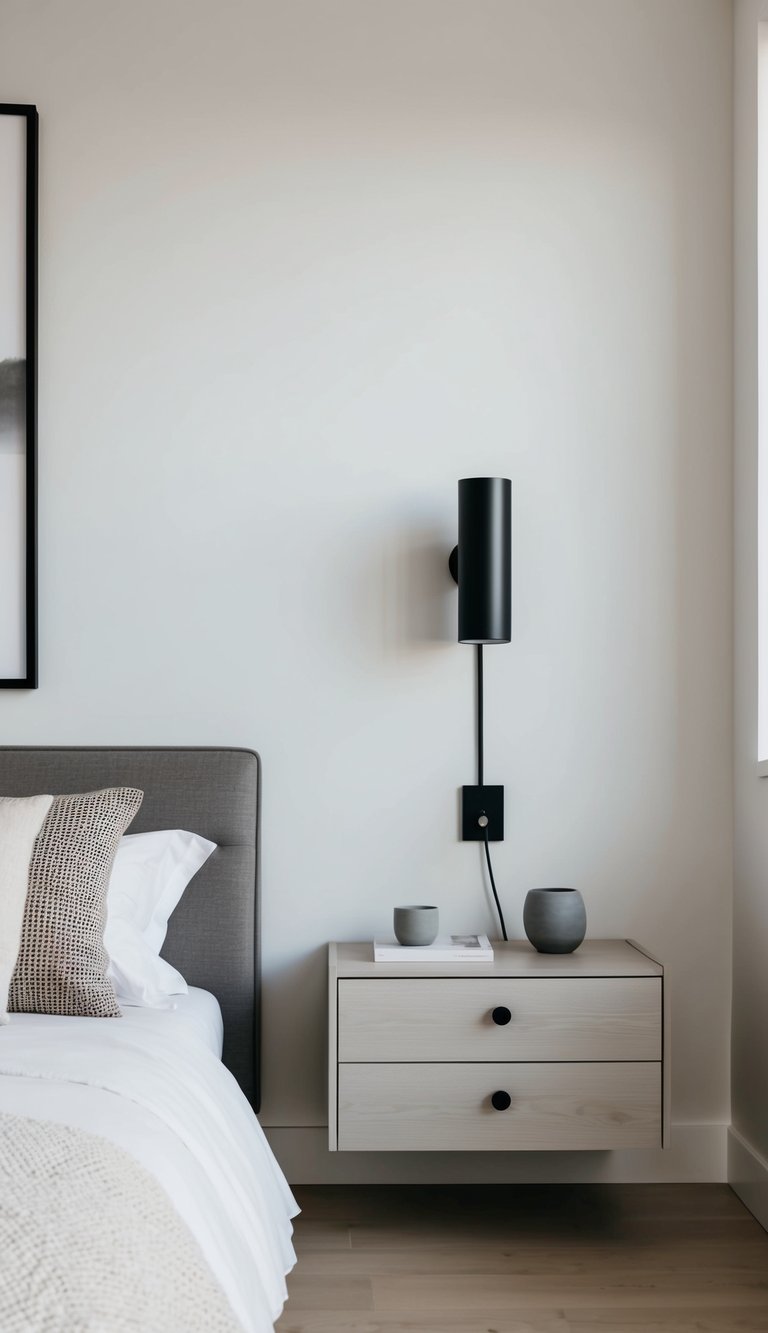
[(481, 567)]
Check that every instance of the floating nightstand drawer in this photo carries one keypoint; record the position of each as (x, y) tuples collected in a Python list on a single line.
[(575, 1045), (469, 1019), (499, 1107)]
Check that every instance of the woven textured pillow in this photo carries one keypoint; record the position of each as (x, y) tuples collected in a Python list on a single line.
[(62, 963)]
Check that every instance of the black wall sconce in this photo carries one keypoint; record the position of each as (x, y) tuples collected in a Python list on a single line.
[(481, 565)]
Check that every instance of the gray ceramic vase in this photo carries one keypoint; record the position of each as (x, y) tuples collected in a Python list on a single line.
[(416, 925), (555, 920)]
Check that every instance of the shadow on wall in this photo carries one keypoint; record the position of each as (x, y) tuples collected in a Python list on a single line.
[(418, 595), (13, 384), (286, 987)]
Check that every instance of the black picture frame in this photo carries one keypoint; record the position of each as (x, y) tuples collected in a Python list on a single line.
[(28, 678)]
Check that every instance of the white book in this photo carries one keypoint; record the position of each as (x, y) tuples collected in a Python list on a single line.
[(445, 949)]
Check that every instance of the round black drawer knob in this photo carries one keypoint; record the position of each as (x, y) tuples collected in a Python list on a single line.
[(501, 1101), (501, 1015)]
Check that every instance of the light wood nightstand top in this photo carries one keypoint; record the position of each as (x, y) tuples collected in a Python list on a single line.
[(518, 958)]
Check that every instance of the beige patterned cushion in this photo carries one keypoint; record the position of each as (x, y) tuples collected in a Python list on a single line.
[(62, 963)]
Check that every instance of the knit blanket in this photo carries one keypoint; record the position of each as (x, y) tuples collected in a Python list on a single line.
[(90, 1243)]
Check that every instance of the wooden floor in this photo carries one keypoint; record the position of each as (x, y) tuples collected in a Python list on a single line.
[(527, 1259)]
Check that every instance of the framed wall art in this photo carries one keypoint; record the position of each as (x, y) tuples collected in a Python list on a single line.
[(18, 397)]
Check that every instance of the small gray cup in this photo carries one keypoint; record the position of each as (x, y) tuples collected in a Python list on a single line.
[(416, 925)]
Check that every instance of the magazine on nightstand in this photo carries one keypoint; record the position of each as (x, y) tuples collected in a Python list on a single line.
[(445, 949)]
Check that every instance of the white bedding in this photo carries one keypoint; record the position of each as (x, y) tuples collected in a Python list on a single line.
[(196, 1015), (181, 1114)]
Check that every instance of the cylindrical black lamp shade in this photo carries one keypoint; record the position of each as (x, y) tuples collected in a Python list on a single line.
[(485, 560)]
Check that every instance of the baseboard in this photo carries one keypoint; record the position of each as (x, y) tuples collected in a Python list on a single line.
[(748, 1175), (697, 1152)]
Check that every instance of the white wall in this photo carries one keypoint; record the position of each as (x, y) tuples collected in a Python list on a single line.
[(748, 1168), (302, 266)]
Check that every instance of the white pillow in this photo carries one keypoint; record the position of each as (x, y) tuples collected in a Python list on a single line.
[(21, 818), (150, 874)]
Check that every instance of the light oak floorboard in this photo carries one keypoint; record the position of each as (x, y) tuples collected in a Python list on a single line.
[(485, 1231), (474, 1258), (631, 1287), (496, 1321), (527, 1259), (321, 1292), (700, 1319), (323, 1237), (610, 1320)]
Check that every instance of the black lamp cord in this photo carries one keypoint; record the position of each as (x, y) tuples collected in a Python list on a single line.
[(493, 886), (480, 783)]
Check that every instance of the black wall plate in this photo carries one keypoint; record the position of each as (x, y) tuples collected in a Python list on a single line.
[(476, 801)]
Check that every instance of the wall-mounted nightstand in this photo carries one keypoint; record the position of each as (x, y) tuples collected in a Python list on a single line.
[(532, 1051)]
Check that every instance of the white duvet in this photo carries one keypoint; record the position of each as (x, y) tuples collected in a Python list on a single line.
[(182, 1115)]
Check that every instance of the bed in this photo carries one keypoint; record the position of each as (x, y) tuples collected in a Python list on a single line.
[(161, 1094)]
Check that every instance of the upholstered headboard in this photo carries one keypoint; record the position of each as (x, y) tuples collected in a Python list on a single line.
[(213, 936)]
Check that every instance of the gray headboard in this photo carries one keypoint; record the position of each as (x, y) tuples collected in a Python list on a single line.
[(213, 936)]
